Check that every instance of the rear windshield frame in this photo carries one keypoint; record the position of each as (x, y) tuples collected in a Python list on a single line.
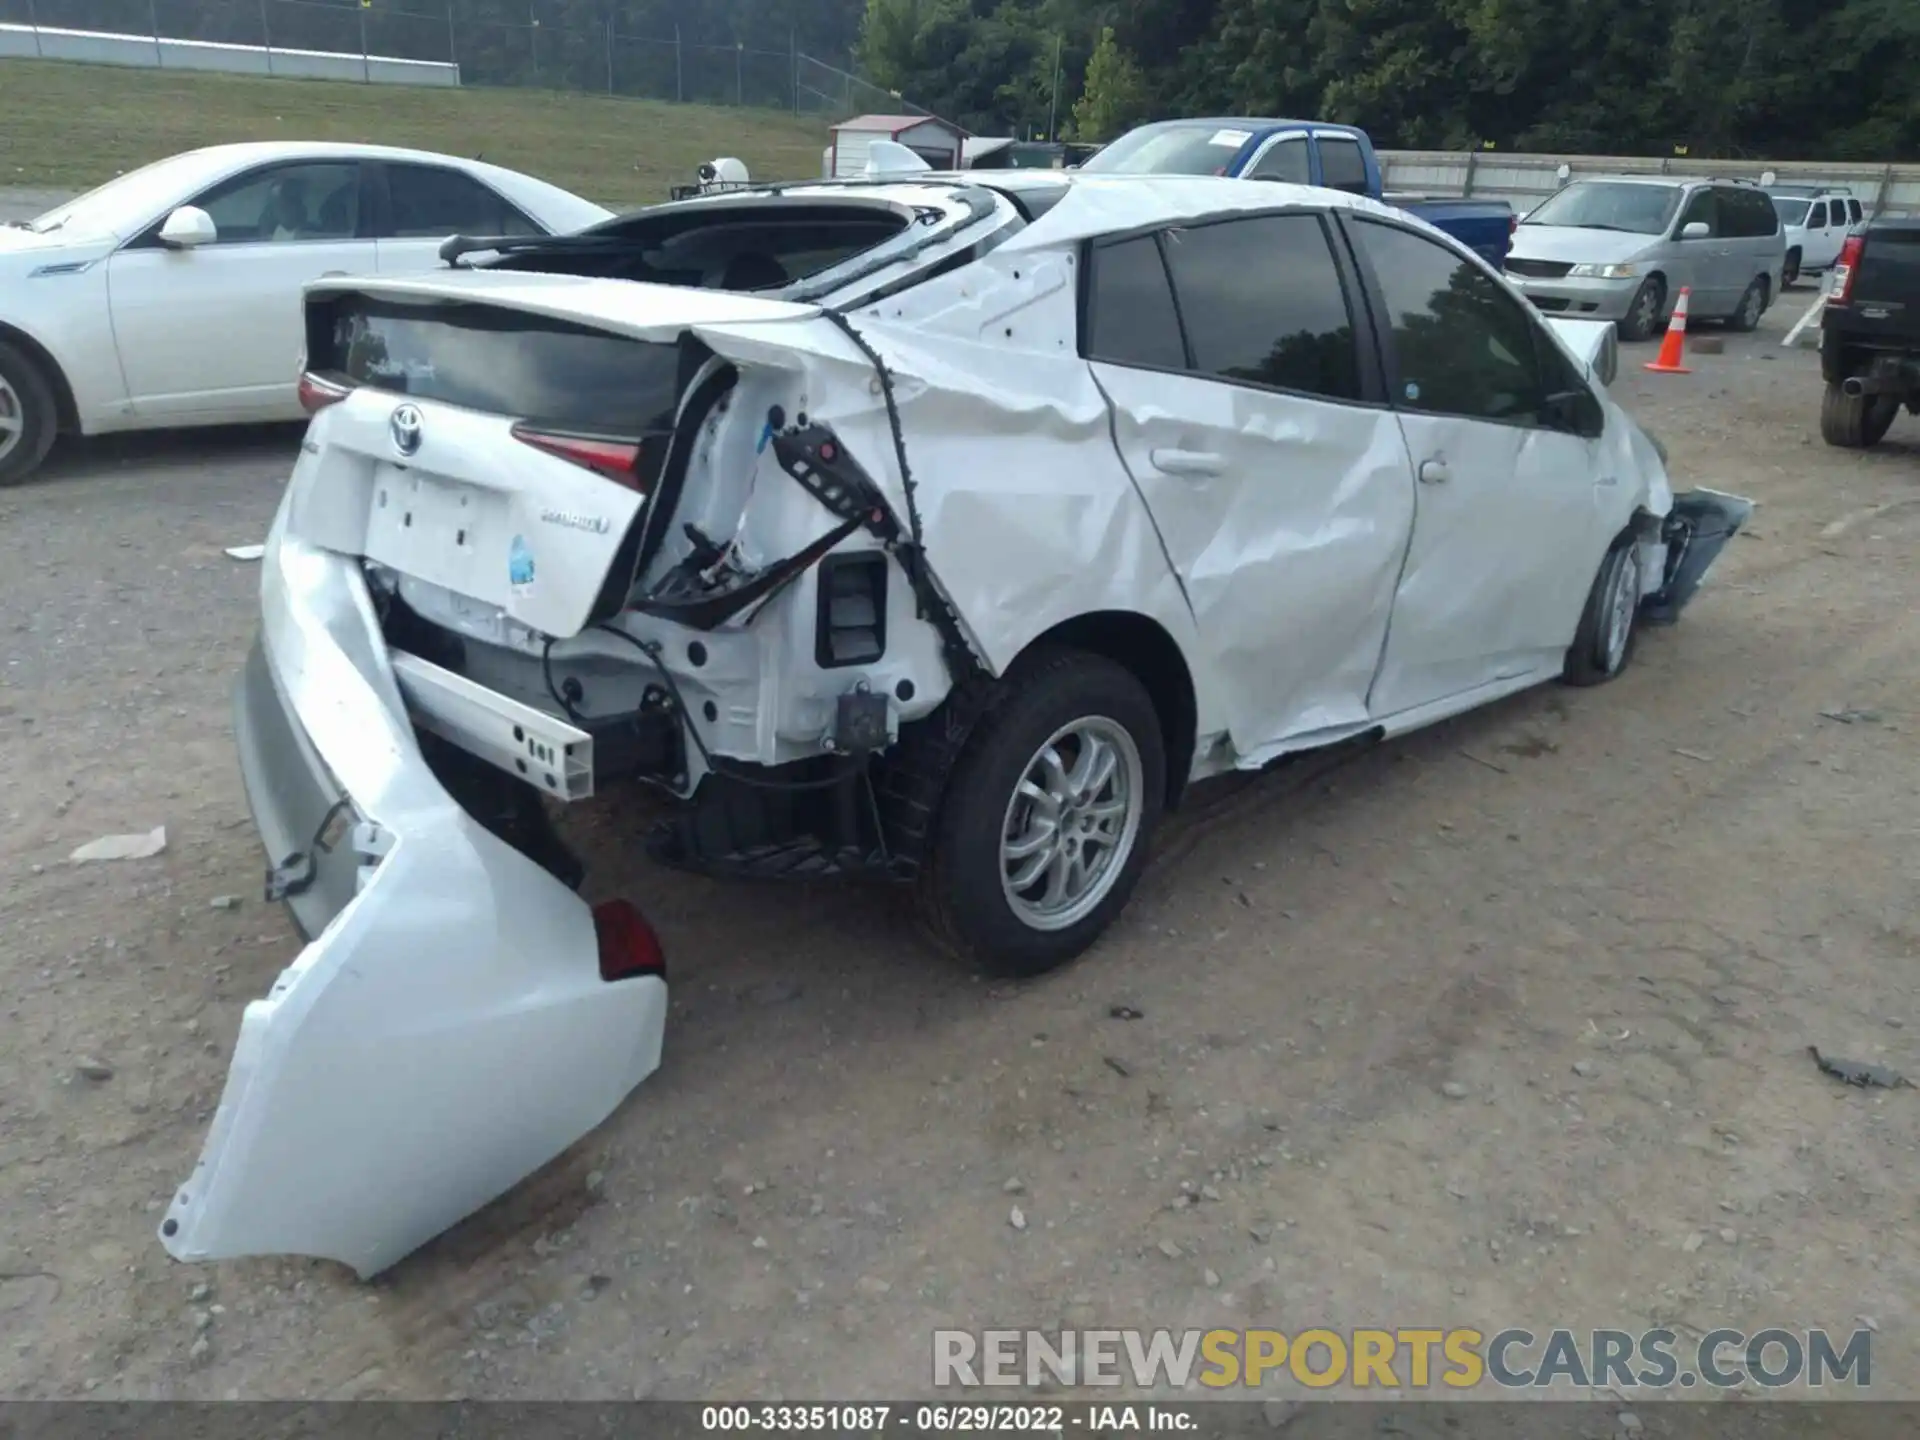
[(915, 231), (551, 373)]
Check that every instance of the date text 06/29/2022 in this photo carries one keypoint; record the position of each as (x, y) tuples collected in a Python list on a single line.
[(947, 1418)]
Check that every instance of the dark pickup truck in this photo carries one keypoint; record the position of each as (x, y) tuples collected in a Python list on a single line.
[(1870, 333), (1301, 152)]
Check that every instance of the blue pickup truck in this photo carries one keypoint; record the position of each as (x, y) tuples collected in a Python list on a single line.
[(1301, 152)]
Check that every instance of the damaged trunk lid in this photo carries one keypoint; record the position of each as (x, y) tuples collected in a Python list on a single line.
[(497, 436)]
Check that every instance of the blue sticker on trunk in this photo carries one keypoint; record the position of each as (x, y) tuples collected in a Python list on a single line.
[(519, 563)]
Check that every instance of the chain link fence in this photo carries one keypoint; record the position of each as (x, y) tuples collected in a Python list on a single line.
[(494, 42)]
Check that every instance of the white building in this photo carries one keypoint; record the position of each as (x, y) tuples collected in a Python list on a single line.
[(933, 140)]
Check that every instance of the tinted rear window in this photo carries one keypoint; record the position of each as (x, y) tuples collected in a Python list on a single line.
[(1263, 303), (500, 361), (1342, 167), (1130, 316)]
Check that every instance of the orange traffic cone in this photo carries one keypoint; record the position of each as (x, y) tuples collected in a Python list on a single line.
[(1673, 347)]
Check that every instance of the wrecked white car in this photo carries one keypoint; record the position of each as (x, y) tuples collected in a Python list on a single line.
[(946, 529)]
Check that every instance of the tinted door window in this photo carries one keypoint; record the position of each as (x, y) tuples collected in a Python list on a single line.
[(1461, 344), (1817, 217), (286, 204), (1342, 167), (1263, 303), (1130, 315), (1285, 160), (1700, 208), (1744, 214), (1853, 211), (429, 204)]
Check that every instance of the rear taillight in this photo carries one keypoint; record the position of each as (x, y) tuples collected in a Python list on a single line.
[(618, 460), (1513, 224), (1844, 268), (628, 946), (316, 394)]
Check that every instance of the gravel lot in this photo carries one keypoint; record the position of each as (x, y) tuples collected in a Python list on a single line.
[(1502, 1024)]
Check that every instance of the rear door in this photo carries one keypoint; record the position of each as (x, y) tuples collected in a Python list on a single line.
[(1505, 539), (1753, 236), (1343, 163), (1247, 408), (214, 332), (419, 206)]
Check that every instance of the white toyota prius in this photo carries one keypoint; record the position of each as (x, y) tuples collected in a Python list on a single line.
[(170, 296), (946, 529)]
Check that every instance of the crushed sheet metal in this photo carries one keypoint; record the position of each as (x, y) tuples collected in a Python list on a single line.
[(447, 1033), (1328, 542)]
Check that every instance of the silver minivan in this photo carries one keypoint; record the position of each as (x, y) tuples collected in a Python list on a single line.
[(1622, 247)]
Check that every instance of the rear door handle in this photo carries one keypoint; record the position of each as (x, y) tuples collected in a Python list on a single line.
[(1188, 462), (1434, 472)]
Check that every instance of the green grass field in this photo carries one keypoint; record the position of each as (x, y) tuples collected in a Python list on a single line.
[(72, 126)]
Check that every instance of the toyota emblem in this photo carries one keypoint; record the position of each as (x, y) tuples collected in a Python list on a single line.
[(404, 426)]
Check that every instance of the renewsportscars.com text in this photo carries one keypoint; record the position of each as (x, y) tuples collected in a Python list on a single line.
[(1410, 1358)]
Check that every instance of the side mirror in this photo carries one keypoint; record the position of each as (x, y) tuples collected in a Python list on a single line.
[(187, 228), (1695, 230)]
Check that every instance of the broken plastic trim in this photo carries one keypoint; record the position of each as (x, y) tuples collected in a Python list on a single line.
[(295, 874), (961, 657), (710, 609), (1696, 530)]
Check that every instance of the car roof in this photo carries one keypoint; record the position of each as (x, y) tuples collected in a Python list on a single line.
[(1253, 122), (1083, 206), (247, 152)]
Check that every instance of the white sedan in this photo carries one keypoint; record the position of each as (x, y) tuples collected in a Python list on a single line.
[(946, 529), (171, 295)]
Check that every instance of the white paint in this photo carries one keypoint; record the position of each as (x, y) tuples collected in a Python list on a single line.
[(446, 1034), (150, 337)]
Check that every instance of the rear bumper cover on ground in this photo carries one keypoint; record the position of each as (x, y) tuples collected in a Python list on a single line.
[(447, 1030)]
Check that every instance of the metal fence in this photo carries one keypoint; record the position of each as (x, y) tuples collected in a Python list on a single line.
[(494, 42), (1526, 180)]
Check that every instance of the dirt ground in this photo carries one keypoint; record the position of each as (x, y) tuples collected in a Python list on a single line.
[(1503, 1024)]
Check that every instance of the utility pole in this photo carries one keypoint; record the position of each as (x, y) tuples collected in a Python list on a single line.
[(1053, 105)]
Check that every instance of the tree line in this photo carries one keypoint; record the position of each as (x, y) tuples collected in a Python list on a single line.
[(1779, 79)]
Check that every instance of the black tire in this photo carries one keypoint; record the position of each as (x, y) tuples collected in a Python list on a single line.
[(1855, 422), (960, 894), (1644, 311), (1753, 304), (1790, 270), (39, 415), (1594, 658)]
